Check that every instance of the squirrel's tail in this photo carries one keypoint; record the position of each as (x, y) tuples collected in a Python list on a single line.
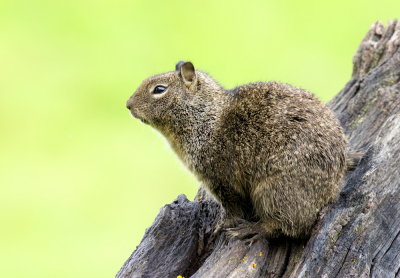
[(352, 159)]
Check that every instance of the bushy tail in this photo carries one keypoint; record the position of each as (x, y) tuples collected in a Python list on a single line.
[(352, 159)]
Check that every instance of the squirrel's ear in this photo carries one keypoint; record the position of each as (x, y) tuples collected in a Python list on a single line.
[(187, 72), (179, 65)]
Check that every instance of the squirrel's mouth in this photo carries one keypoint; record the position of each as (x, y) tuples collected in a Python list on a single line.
[(144, 121), (136, 115)]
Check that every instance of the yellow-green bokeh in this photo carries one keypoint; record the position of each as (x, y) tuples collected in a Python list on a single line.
[(80, 179)]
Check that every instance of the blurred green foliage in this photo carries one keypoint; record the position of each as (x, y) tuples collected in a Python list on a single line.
[(80, 179)]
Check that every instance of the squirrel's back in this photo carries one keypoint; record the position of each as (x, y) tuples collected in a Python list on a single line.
[(267, 121)]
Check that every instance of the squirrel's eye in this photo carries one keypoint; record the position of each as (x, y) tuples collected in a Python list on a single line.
[(159, 89)]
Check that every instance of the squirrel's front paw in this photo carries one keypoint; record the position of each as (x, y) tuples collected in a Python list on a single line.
[(226, 223), (246, 231)]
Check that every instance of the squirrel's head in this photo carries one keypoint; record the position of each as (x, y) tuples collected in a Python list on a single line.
[(168, 98)]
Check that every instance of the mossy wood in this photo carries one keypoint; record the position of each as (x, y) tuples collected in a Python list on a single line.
[(358, 236)]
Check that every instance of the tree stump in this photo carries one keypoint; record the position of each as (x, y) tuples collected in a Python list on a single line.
[(358, 236)]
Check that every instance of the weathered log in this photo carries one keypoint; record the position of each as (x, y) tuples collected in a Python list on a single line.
[(358, 236)]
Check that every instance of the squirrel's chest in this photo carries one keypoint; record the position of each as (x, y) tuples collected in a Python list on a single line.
[(218, 160), (217, 163)]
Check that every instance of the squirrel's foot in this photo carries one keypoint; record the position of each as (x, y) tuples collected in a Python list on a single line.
[(222, 225), (227, 223), (249, 232)]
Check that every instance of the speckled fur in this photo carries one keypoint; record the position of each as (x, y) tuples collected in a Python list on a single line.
[(270, 153)]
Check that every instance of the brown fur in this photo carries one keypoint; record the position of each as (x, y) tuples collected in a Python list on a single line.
[(273, 155)]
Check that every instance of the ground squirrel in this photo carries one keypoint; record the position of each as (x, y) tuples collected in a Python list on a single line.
[(271, 154)]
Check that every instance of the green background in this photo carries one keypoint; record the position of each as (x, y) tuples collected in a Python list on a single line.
[(80, 179)]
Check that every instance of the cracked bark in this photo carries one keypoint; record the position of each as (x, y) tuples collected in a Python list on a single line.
[(358, 236)]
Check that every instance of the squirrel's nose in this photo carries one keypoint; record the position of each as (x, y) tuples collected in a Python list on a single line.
[(128, 105)]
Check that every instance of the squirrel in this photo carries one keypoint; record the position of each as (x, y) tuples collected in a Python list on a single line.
[(271, 154)]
